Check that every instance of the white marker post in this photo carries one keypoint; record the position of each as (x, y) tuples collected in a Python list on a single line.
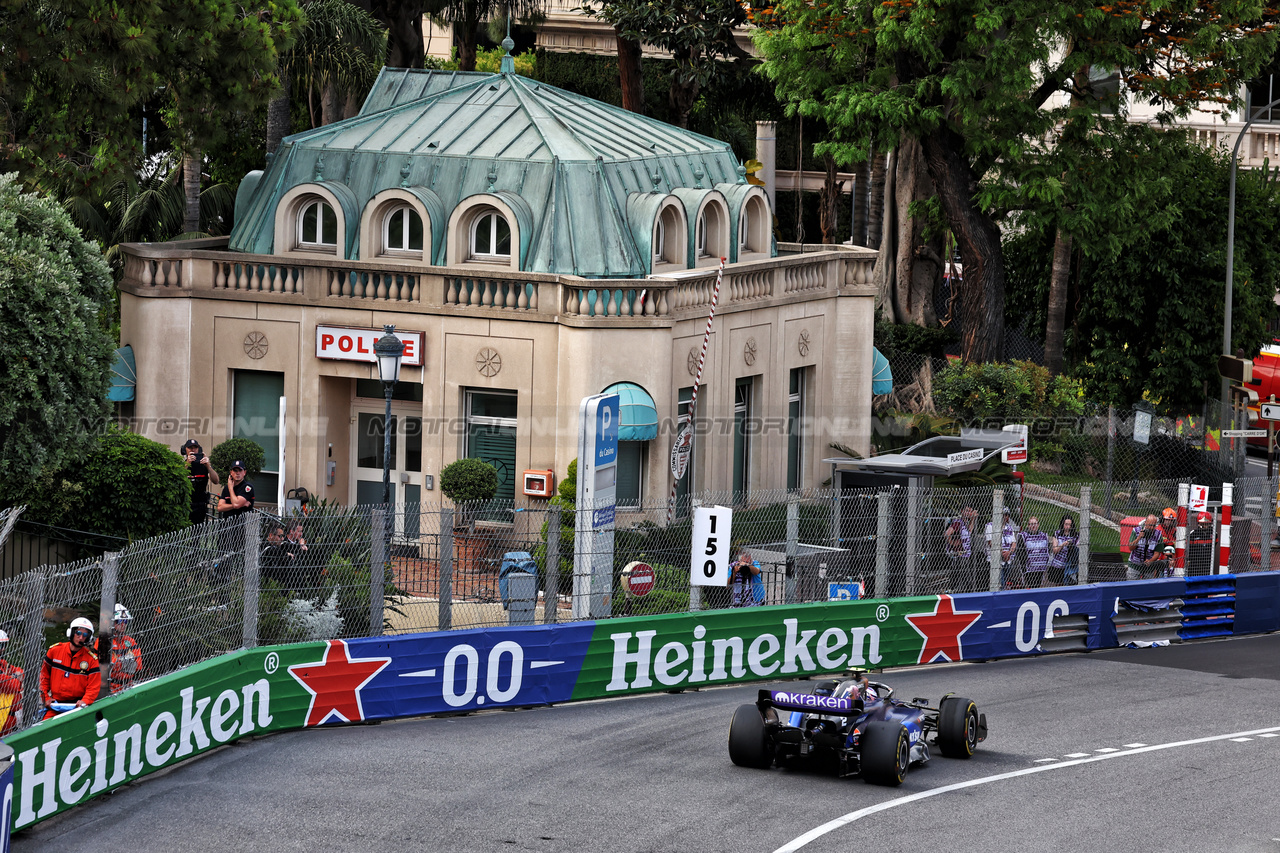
[(709, 557)]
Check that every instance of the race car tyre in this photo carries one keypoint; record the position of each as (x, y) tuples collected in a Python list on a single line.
[(885, 752), (957, 727), (748, 739)]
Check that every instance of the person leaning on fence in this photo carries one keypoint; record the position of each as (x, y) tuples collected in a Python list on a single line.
[(274, 561), (1008, 544), (1146, 551), (10, 690), (70, 674), (1064, 564), (1034, 545), (745, 584), (126, 654), (959, 536), (302, 562)]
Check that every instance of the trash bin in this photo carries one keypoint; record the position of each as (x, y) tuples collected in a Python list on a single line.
[(518, 586)]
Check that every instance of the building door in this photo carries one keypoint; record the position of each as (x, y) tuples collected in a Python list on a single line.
[(405, 468), (491, 436)]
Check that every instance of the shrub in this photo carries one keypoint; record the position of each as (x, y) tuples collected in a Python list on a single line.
[(468, 480), (134, 487), (246, 450), (1016, 392)]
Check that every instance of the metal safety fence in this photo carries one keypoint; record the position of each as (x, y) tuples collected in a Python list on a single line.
[(334, 572)]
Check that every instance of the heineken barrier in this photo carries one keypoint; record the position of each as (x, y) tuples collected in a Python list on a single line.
[(70, 759)]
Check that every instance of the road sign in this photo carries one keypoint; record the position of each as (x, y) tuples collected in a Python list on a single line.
[(1235, 369), (638, 578), (1142, 427), (1271, 411), (846, 591), (963, 456), (1244, 433), (680, 452)]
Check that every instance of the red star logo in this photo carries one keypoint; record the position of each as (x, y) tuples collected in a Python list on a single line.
[(335, 683), (942, 630)]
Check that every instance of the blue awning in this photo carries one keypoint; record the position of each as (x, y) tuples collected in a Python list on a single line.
[(638, 416), (881, 375), (124, 375)]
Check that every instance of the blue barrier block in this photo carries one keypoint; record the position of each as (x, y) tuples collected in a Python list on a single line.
[(1257, 602)]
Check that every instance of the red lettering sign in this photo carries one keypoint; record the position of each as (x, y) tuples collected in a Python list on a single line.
[(360, 344), (344, 343), (326, 341), (408, 349), (347, 343)]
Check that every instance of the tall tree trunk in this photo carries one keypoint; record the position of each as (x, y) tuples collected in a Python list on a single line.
[(886, 271), (629, 75), (861, 195), (978, 236), (191, 189), (1058, 278), (465, 38), (828, 215), (330, 105), (405, 46), (352, 103), (909, 266), (875, 207), (278, 112)]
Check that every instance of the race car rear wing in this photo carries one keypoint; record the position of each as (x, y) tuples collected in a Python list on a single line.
[(812, 703)]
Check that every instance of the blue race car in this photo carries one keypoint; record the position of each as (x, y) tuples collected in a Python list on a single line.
[(854, 725)]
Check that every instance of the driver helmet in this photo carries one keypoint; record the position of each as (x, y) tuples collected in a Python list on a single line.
[(80, 623)]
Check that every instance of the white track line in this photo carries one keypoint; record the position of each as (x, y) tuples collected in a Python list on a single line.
[(845, 820)]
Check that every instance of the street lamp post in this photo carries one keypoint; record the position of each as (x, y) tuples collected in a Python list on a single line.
[(390, 350), (1231, 252)]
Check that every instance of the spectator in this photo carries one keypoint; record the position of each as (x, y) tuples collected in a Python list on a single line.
[(126, 655), (301, 565), (70, 674), (1146, 556), (1200, 546), (959, 538), (10, 691), (1008, 545), (1168, 527), (1034, 544), (1064, 564), (274, 561), (235, 502), (201, 474), (745, 583)]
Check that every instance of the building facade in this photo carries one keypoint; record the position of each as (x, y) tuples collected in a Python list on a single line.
[(531, 247)]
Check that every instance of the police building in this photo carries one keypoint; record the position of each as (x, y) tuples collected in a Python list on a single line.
[(531, 247)]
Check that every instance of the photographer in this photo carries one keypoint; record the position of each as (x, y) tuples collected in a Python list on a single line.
[(201, 474), (745, 583)]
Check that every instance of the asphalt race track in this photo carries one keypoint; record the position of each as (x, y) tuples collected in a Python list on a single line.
[(1172, 749)]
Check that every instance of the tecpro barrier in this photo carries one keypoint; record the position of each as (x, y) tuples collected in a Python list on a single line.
[(68, 760)]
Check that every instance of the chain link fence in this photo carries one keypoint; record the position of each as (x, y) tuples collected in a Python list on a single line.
[(335, 572)]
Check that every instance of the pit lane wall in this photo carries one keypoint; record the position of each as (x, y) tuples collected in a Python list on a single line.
[(71, 759)]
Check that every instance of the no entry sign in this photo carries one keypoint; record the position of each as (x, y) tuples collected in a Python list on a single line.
[(638, 578)]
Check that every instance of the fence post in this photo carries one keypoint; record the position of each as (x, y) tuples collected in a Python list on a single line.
[(444, 619), (33, 646), (1224, 543), (837, 512), (793, 540), (997, 540), (1086, 513), (882, 545), (252, 582), (913, 535), (377, 569), (551, 600), (106, 614)]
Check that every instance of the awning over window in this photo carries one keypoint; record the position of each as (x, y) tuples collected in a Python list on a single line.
[(124, 375), (639, 415), (881, 375)]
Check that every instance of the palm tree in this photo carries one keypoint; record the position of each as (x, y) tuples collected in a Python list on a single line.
[(338, 54)]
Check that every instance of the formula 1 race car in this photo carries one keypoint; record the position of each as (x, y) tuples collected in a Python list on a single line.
[(860, 732)]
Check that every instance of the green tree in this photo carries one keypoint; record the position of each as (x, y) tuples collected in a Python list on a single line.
[(698, 33), (134, 488), (1147, 321), (983, 85), (55, 345), (246, 450), (467, 16), (468, 480)]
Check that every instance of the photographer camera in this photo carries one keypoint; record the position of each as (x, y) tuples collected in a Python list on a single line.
[(745, 583), (200, 472)]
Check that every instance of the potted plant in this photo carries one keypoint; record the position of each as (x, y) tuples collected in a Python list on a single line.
[(468, 483)]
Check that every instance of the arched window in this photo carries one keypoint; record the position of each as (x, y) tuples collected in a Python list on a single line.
[(490, 237), (402, 230), (742, 231), (669, 237), (317, 226), (754, 227), (659, 242), (711, 233), (700, 238)]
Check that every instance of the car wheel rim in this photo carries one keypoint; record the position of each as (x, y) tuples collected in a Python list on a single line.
[(970, 730)]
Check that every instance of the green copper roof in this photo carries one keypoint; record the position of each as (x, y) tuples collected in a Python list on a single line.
[(577, 167)]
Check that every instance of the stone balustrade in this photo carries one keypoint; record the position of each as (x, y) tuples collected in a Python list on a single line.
[(205, 268)]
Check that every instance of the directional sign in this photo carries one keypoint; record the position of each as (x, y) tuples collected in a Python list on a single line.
[(1271, 411), (1244, 433), (963, 456)]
